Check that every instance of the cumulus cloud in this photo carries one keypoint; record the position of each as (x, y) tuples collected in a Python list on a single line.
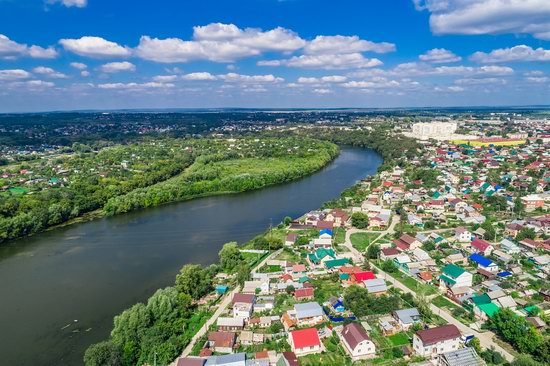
[(200, 76), (538, 79), (488, 16), (455, 89), (15, 74), (480, 81), (516, 53), (114, 67), (165, 78), (375, 83), (10, 49), (95, 47), (326, 62), (233, 77), (345, 44), (324, 79), (135, 86), (49, 72), (219, 43), (424, 69), (440, 56), (71, 3), (322, 91), (79, 65)]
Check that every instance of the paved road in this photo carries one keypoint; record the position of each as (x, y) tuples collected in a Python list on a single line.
[(221, 308)]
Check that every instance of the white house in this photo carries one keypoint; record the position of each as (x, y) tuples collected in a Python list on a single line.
[(435, 341), (463, 235), (305, 342), (357, 343), (454, 276)]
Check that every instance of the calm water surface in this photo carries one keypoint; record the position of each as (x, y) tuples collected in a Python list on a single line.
[(92, 271)]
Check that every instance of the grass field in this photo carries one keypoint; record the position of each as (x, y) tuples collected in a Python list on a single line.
[(361, 241), (413, 284)]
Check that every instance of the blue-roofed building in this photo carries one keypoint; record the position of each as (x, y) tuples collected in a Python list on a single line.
[(484, 263), (325, 233)]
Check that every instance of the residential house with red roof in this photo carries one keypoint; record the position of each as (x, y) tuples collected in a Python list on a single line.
[(482, 247), (435, 341), (357, 342), (305, 341)]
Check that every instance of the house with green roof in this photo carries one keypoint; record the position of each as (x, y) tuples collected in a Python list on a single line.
[(455, 276), (336, 263), (486, 311), (321, 255)]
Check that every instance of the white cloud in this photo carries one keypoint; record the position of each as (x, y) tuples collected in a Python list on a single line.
[(15, 74), (335, 45), (324, 79), (219, 43), (84, 73), (322, 91), (11, 50), (49, 72), (439, 56), (455, 89), (326, 62), (95, 47), (488, 16), (374, 83), (199, 76), (516, 53), (135, 86), (424, 69), (71, 3), (480, 81), (114, 67), (538, 79), (79, 65), (233, 77), (165, 78)]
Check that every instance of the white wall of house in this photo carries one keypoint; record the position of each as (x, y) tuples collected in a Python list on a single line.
[(433, 350)]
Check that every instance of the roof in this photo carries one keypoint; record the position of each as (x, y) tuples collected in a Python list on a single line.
[(336, 262), (244, 298), (305, 338), (490, 309), (362, 276), (481, 260), (231, 359), (308, 310), (462, 357), (438, 334), (291, 358), (189, 361), (447, 280), (303, 292), (354, 334), (407, 315), (480, 244), (481, 299), (453, 271), (222, 339)]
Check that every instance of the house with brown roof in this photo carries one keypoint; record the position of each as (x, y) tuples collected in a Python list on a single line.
[(357, 342), (222, 342), (388, 253), (435, 341), (407, 242)]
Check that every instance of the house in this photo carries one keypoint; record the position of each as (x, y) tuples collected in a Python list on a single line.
[(532, 202), (227, 324), (359, 277), (453, 276), (463, 357), (388, 253), (509, 246), (463, 235), (336, 263), (376, 286), (237, 359), (406, 318), (291, 239), (407, 242), (484, 263), (306, 293), (243, 305), (481, 246), (435, 341), (309, 314), (357, 343), (190, 361), (320, 256), (222, 342), (305, 341), (456, 258)]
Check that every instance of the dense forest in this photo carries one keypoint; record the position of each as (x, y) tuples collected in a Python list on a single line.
[(53, 190)]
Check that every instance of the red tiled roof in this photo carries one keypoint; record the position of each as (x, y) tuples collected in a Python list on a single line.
[(362, 276), (244, 298), (303, 292), (305, 338), (480, 244)]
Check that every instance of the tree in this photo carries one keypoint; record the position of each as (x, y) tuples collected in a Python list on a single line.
[(517, 331), (243, 273), (287, 220), (302, 240), (359, 220), (194, 281), (104, 353), (525, 360), (475, 344), (230, 256), (526, 233), (373, 251), (290, 289), (389, 266)]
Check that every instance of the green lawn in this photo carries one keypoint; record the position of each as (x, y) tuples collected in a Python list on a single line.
[(361, 241), (442, 302), (326, 287), (413, 284), (399, 339)]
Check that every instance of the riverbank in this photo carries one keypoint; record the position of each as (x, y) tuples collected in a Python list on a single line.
[(92, 271)]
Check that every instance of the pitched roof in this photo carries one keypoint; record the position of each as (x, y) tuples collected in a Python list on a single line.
[(438, 334), (354, 334), (481, 260), (305, 338), (303, 292), (362, 276), (490, 309), (480, 244), (244, 298), (222, 339), (189, 361), (308, 310), (453, 271), (462, 357)]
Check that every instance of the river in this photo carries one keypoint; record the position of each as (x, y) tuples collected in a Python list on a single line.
[(60, 290)]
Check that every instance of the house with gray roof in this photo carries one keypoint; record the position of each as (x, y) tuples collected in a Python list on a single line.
[(407, 318)]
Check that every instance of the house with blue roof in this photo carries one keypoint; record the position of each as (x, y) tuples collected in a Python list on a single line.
[(325, 233), (484, 263)]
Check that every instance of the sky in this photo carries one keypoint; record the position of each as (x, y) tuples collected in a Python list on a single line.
[(105, 54)]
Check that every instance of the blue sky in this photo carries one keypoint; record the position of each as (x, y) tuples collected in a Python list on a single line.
[(98, 54)]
